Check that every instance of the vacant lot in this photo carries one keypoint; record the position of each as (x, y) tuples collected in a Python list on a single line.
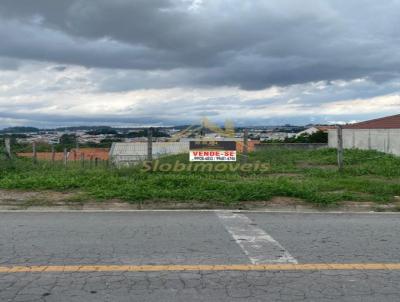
[(308, 175)]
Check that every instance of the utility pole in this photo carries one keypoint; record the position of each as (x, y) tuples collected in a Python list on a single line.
[(53, 154), (8, 146), (202, 130), (82, 160), (65, 157), (245, 152), (340, 147), (150, 144), (34, 155)]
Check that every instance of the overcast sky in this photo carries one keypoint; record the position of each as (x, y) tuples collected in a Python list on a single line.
[(166, 62)]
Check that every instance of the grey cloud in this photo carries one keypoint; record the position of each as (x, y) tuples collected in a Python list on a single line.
[(8, 64), (304, 47), (126, 80), (332, 92), (51, 120), (60, 68), (251, 44), (32, 42)]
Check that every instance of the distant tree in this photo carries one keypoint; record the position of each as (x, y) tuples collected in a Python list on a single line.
[(19, 130), (102, 131), (316, 137), (143, 133), (107, 142), (319, 137), (68, 140), (3, 152)]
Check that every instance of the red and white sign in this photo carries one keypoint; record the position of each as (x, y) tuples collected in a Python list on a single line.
[(212, 155)]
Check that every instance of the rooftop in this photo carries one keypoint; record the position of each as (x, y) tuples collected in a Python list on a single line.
[(388, 122)]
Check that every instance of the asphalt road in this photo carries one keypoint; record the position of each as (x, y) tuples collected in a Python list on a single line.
[(199, 256)]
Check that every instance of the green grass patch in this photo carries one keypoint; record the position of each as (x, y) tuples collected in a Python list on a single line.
[(304, 174)]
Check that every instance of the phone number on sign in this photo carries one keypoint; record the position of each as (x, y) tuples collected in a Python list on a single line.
[(213, 156)]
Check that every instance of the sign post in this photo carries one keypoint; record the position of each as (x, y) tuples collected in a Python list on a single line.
[(53, 154), (150, 144), (8, 146), (340, 147), (65, 159), (245, 154), (34, 155)]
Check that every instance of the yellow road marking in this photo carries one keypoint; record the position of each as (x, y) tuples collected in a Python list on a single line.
[(225, 267)]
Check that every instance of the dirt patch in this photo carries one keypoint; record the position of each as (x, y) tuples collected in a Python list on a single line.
[(32, 198), (275, 202), (59, 201), (15, 199), (285, 201), (371, 206), (16, 195)]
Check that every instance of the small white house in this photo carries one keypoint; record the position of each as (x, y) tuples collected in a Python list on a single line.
[(315, 129)]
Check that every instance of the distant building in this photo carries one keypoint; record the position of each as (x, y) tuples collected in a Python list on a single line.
[(214, 138), (314, 129), (382, 134), (275, 136)]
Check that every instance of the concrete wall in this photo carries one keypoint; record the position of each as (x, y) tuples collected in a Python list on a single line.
[(384, 140), (132, 153), (297, 146)]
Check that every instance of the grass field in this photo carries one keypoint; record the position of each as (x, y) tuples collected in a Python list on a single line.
[(309, 175)]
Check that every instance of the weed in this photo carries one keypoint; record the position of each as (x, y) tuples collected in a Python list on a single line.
[(304, 174)]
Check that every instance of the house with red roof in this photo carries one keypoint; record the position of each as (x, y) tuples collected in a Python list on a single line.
[(381, 134)]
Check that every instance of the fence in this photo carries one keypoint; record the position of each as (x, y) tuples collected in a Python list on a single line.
[(86, 157), (123, 154)]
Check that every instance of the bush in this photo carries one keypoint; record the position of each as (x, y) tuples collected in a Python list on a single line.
[(314, 138)]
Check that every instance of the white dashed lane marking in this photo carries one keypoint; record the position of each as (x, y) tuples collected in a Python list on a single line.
[(259, 246)]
